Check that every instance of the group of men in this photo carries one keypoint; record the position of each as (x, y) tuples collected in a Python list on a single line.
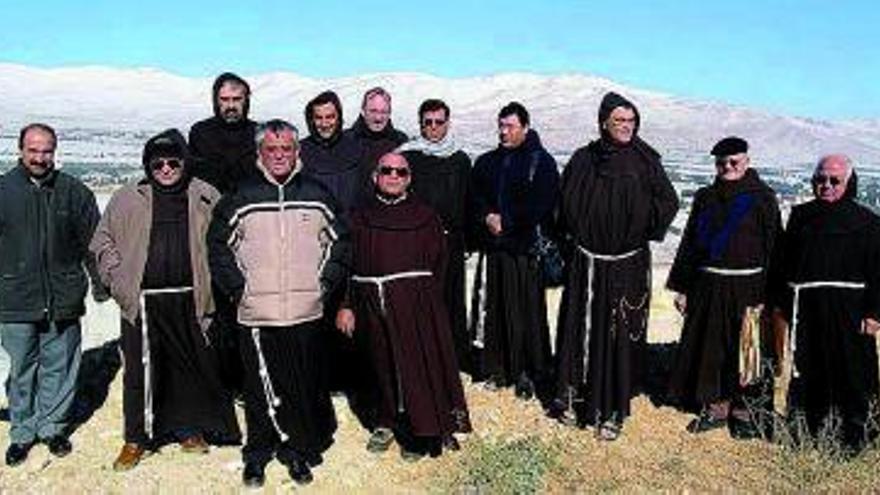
[(250, 261)]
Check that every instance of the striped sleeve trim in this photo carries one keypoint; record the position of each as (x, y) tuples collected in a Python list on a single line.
[(275, 206)]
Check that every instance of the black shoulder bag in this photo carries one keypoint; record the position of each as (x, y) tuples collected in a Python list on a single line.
[(545, 249)]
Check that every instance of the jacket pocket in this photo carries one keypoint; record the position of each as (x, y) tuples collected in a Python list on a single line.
[(69, 287), (20, 292)]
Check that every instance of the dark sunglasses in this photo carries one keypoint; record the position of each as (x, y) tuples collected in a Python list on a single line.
[(158, 163), (820, 179), (721, 162), (433, 122), (401, 172)]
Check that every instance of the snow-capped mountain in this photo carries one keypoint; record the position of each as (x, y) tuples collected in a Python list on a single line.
[(118, 108)]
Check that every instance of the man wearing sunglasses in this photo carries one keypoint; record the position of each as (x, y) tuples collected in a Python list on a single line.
[(441, 175), (395, 300), (827, 289), (719, 276), (150, 247), (46, 220)]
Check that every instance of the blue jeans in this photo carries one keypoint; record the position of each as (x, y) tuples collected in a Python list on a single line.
[(44, 360)]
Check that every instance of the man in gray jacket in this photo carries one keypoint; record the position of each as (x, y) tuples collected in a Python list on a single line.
[(46, 220)]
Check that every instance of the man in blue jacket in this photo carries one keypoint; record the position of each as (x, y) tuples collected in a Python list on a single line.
[(46, 221)]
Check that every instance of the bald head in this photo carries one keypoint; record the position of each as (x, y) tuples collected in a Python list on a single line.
[(392, 175), (394, 159), (831, 177)]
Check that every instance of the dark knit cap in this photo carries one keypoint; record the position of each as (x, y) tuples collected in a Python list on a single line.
[(731, 145)]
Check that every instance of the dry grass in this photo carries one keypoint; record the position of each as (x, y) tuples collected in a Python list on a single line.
[(513, 439), (515, 448)]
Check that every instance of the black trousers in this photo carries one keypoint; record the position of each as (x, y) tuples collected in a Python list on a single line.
[(288, 410)]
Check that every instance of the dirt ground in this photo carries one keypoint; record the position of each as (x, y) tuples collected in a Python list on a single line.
[(654, 453)]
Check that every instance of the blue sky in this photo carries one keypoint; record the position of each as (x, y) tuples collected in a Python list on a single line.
[(808, 58)]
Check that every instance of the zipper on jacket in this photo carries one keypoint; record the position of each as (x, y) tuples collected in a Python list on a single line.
[(283, 249), (43, 207)]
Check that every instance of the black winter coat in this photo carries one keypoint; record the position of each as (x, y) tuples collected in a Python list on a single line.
[(44, 237)]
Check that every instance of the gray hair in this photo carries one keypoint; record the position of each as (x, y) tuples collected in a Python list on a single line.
[(275, 126), (847, 162), (377, 91)]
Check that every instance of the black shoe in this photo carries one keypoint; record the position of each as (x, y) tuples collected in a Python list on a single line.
[(314, 459), (380, 440), (254, 475), (411, 455), (495, 382), (525, 388), (706, 422), (299, 472), (450, 443), (17, 453), (562, 412), (59, 445), (743, 429)]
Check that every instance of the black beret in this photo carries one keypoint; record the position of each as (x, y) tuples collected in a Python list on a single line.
[(730, 146)]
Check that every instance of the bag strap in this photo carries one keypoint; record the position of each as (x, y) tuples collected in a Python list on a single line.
[(533, 166)]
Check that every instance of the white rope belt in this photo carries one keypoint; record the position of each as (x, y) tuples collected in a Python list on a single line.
[(145, 352), (795, 307), (272, 400), (732, 272), (588, 313), (480, 331), (381, 280)]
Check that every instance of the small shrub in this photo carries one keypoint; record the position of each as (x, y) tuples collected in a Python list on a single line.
[(505, 466)]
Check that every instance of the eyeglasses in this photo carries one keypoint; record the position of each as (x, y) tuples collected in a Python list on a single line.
[(158, 163), (733, 162), (401, 172), (433, 122), (821, 179), (622, 120)]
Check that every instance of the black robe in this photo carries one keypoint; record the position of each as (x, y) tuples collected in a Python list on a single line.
[(373, 145), (188, 394), (225, 154), (614, 200), (836, 365), (336, 163), (443, 184), (732, 225), (522, 186), (405, 320)]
